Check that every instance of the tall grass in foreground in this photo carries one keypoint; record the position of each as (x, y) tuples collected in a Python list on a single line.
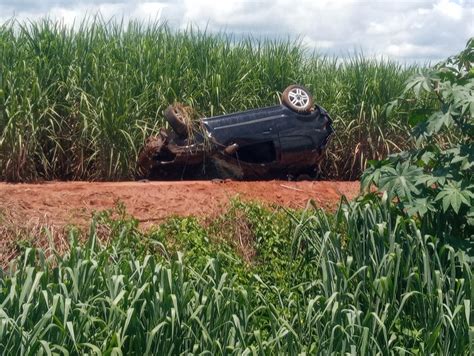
[(365, 281), (78, 104)]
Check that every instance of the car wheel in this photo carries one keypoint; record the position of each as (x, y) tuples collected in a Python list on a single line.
[(178, 119), (297, 98)]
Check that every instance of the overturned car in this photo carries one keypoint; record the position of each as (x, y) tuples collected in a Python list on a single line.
[(280, 141)]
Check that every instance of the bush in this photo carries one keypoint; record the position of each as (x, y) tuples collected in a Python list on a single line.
[(434, 181)]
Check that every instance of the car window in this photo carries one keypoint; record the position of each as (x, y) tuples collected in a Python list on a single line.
[(262, 152)]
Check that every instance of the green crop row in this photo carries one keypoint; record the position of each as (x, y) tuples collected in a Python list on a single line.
[(366, 280), (79, 103)]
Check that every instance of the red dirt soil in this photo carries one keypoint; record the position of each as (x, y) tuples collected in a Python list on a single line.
[(27, 209), (63, 203)]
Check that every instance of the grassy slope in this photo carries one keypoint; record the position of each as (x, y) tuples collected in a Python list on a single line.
[(365, 280), (78, 105)]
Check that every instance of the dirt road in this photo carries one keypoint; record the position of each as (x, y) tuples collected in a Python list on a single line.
[(62, 203), (26, 209)]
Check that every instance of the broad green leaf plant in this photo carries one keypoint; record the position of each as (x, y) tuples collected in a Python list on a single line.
[(434, 181)]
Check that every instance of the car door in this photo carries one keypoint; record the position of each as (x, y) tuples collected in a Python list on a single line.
[(255, 132)]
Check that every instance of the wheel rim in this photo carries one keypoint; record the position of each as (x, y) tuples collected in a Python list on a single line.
[(299, 98)]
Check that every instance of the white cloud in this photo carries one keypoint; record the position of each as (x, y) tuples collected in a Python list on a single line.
[(310, 43), (450, 9), (403, 30), (408, 49), (149, 9)]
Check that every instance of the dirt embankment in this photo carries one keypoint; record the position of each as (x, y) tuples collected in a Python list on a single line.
[(61, 203), (25, 209)]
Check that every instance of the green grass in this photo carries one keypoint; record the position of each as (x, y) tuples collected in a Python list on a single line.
[(363, 281), (79, 104)]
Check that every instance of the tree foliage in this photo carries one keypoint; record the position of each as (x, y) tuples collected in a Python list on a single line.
[(434, 181)]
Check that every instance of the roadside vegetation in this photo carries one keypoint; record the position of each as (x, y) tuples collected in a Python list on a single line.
[(367, 280), (388, 273), (80, 104)]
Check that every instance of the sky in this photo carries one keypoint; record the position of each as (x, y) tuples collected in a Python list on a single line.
[(403, 30)]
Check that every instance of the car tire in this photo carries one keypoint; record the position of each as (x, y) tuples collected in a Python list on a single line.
[(297, 98), (178, 119)]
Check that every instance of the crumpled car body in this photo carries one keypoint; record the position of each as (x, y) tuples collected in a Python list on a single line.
[(265, 143)]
